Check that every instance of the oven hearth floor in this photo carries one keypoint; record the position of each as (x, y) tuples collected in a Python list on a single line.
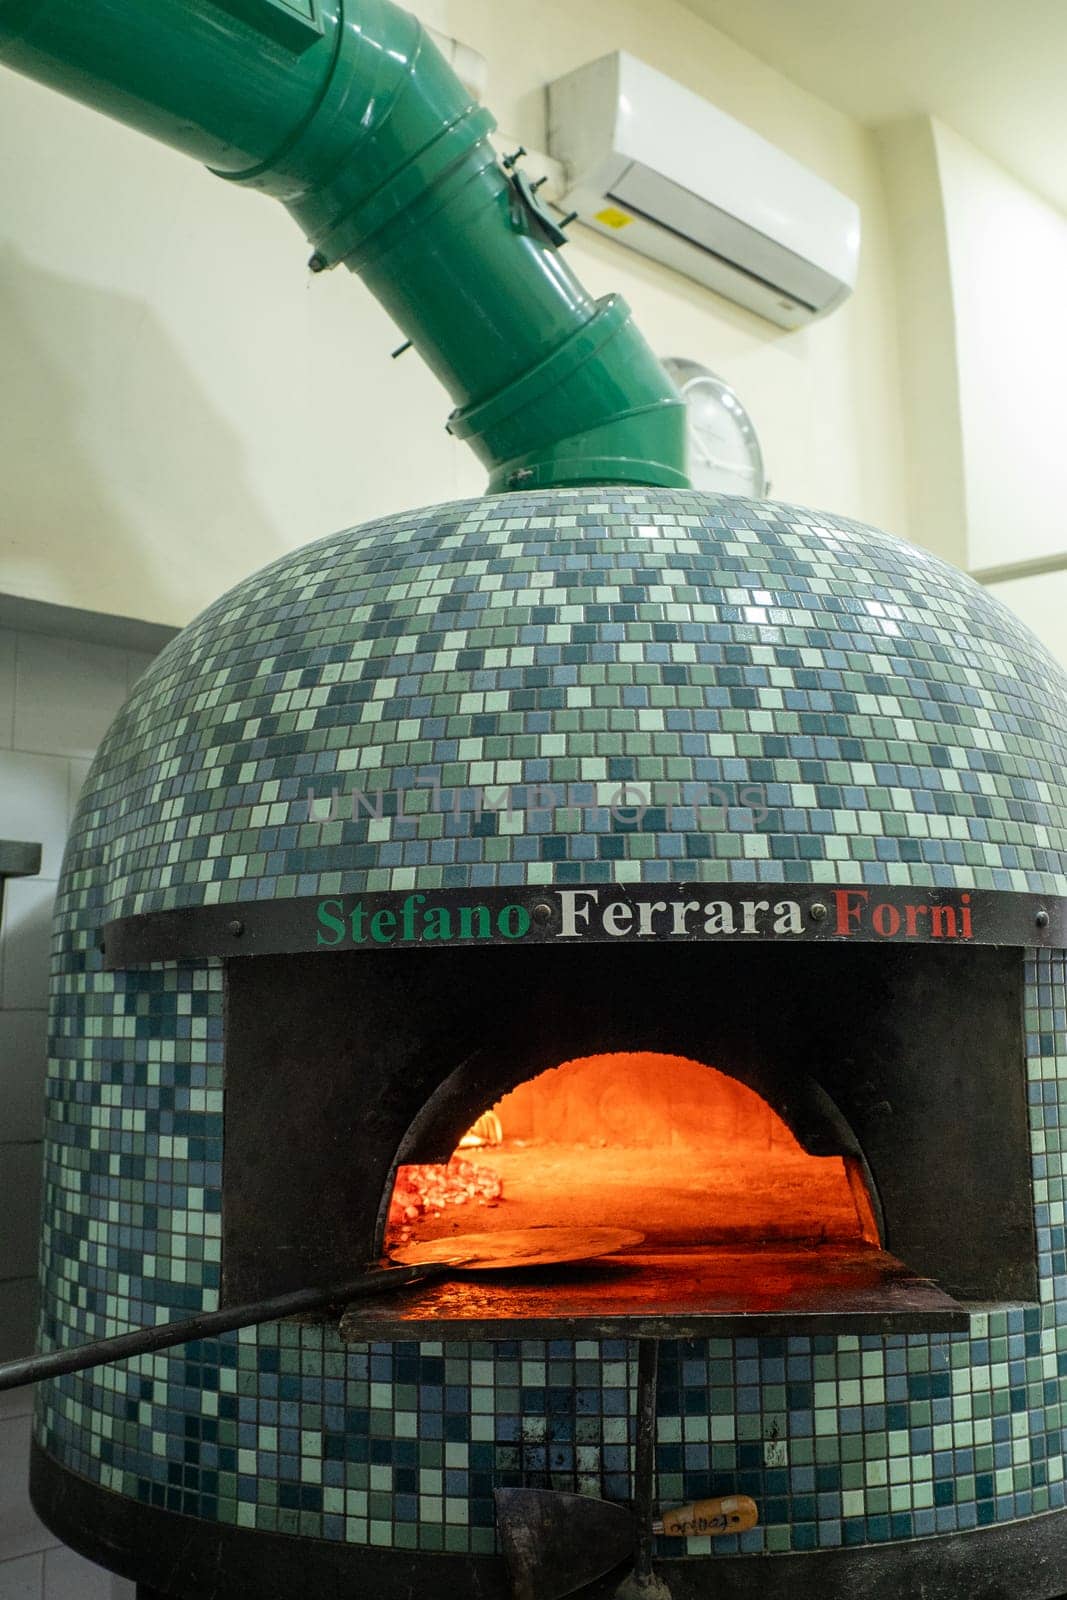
[(691, 1292), (707, 1193)]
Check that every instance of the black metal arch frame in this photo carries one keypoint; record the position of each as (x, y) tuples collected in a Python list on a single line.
[(335, 1066)]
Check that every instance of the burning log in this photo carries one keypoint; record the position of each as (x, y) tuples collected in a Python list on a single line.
[(487, 1130)]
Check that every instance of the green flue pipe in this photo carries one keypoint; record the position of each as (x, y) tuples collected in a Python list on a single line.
[(345, 111)]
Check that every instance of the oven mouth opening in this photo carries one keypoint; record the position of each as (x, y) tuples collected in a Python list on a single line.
[(797, 1132), (677, 1150), (744, 1218)]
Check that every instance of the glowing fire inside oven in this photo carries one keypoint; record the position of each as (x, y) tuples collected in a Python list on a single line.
[(683, 1153)]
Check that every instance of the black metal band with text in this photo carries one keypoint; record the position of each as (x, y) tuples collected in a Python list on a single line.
[(562, 915)]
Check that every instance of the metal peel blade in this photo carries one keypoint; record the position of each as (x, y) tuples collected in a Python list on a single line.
[(554, 1543)]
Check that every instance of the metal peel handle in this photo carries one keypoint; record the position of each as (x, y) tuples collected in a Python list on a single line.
[(732, 1513)]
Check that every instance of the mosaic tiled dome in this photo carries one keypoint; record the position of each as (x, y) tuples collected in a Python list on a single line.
[(794, 697), (903, 728)]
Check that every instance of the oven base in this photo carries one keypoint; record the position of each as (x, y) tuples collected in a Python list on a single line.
[(175, 1557)]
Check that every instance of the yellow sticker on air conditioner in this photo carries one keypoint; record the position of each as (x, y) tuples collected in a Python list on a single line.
[(613, 217)]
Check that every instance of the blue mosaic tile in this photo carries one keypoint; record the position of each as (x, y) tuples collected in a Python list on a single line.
[(894, 725), (862, 711)]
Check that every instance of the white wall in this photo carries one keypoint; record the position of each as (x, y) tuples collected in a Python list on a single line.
[(926, 317), (182, 402), (1008, 256), (1040, 602), (981, 264)]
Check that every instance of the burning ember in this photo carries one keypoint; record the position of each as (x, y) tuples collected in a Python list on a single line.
[(422, 1191)]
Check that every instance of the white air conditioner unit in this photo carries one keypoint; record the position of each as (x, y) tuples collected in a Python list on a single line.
[(656, 167)]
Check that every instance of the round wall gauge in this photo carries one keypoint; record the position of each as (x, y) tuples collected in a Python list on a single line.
[(724, 451)]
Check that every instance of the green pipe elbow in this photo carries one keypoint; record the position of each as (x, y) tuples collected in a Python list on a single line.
[(346, 112)]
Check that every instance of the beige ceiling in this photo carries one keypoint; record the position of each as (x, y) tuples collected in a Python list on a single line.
[(995, 70)]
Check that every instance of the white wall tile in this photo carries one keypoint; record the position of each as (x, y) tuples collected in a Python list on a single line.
[(66, 693), (21, 1534), (23, 1064), (68, 1576), (7, 685), (20, 1185), (18, 1316), (25, 944), (22, 1579), (34, 800)]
